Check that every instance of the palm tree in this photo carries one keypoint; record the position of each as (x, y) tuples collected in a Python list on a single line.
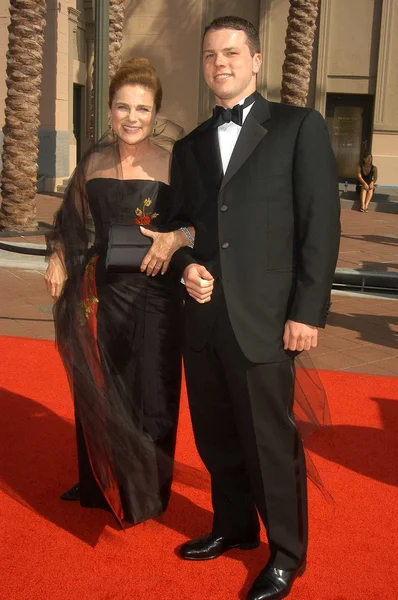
[(299, 46), (22, 108)]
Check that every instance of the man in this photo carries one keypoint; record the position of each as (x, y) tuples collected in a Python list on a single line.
[(258, 183)]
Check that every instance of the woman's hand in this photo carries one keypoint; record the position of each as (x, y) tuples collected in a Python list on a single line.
[(157, 259), (366, 186), (55, 276)]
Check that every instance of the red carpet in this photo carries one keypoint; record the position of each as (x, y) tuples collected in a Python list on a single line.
[(58, 551)]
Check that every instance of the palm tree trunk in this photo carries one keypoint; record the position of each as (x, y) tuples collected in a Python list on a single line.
[(116, 22), (299, 46), (22, 109)]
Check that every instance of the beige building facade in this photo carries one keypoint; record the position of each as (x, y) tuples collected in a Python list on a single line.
[(354, 81)]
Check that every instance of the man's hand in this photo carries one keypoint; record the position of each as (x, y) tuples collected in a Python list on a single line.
[(55, 276), (199, 282), (158, 257), (299, 336)]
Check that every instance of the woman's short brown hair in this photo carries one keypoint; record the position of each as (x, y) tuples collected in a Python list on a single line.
[(137, 71)]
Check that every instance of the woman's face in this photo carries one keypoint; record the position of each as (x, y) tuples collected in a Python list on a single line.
[(133, 113), (367, 160)]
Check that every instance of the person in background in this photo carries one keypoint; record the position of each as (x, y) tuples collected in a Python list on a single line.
[(367, 178)]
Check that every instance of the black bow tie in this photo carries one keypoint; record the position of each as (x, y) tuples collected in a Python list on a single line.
[(223, 115)]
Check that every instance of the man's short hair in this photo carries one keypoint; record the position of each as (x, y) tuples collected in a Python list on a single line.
[(253, 39)]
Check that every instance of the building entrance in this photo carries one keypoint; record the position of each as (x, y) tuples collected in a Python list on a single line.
[(349, 118)]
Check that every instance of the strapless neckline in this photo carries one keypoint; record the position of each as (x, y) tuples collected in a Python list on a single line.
[(127, 180)]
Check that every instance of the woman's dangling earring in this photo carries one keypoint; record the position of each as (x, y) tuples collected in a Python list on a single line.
[(111, 133)]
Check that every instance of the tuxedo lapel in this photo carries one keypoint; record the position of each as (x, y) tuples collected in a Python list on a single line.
[(207, 150), (253, 131)]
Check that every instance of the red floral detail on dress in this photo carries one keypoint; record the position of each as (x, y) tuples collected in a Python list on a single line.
[(143, 217), (89, 296), (145, 220)]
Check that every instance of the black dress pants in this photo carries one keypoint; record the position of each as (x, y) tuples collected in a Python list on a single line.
[(247, 438)]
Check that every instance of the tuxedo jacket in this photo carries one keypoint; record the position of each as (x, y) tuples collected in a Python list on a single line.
[(268, 230)]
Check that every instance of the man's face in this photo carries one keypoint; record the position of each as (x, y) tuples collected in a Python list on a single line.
[(228, 67)]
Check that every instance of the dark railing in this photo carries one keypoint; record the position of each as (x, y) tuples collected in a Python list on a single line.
[(344, 279), (23, 249)]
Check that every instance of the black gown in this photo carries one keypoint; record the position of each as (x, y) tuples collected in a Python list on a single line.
[(126, 366)]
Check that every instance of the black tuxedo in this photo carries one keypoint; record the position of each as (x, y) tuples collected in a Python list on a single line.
[(268, 231)]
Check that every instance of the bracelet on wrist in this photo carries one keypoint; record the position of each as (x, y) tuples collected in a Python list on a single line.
[(190, 238)]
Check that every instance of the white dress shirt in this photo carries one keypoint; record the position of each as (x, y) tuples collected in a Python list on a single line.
[(228, 134)]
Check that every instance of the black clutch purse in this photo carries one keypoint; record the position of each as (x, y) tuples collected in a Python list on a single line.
[(127, 247)]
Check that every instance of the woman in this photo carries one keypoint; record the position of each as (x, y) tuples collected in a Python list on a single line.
[(367, 177), (119, 333)]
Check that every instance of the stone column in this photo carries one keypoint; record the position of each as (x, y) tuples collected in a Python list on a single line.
[(74, 16), (54, 106), (323, 55), (101, 62), (90, 76), (264, 33), (205, 96), (386, 105), (385, 134)]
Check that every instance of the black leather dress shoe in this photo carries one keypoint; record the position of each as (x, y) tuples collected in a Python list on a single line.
[(210, 546), (71, 495), (273, 583)]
